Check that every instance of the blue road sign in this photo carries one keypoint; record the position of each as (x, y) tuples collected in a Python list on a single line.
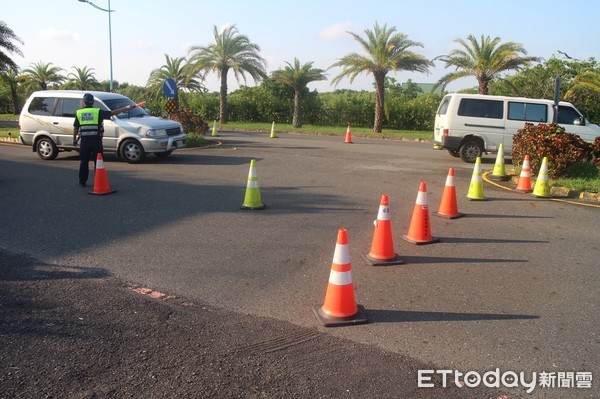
[(170, 88)]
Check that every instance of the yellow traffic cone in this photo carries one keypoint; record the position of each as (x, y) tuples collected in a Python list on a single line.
[(273, 134), (541, 188), (252, 199), (476, 186), (499, 172), (215, 133)]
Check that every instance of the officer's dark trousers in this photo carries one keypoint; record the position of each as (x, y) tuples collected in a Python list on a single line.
[(88, 151)]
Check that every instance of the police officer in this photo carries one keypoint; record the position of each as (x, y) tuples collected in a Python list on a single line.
[(89, 123)]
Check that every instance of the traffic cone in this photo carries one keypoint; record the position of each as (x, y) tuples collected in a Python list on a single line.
[(215, 133), (348, 136), (541, 188), (273, 134), (340, 307), (382, 248), (419, 231), (101, 185), (524, 184), (449, 205), (252, 199), (476, 187), (499, 172)]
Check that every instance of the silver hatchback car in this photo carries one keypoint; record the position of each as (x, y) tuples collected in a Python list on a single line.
[(46, 124)]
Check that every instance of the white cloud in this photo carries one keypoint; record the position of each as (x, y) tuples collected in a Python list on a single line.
[(60, 35), (335, 31)]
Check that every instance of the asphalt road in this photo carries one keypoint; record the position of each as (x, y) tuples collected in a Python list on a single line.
[(513, 285)]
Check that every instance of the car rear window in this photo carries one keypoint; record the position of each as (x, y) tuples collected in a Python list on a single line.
[(443, 108), (481, 108)]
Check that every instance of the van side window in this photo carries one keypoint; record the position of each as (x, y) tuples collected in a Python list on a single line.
[(41, 106), (481, 108), (519, 111), (443, 108), (68, 107), (567, 115)]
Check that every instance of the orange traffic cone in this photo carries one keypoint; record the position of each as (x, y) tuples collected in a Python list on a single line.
[(382, 247), (524, 184), (340, 305), (101, 186), (419, 231), (449, 205), (348, 136)]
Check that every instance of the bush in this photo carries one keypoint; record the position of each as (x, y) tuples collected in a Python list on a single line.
[(191, 122), (596, 149), (562, 149)]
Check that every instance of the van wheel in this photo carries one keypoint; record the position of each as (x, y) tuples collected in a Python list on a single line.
[(46, 149), (454, 153), (132, 151), (470, 150)]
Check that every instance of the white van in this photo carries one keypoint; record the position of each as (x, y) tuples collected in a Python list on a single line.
[(467, 125), (46, 124)]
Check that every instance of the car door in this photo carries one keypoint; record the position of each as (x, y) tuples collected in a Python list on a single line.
[(62, 120)]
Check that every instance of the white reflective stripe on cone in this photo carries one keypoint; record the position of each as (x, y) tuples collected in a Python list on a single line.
[(450, 181), (384, 213), (340, 278), (341, 255), (252, 184), (421, 198)]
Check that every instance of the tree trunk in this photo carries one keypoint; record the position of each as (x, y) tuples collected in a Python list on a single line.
[(223, 97), (483, 87), (15, 99), (297, 118), (379, 103)]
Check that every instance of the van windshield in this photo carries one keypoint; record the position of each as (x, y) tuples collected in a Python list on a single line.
[(117, 103)]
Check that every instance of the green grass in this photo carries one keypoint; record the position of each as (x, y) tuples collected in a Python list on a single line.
[(582, 176)]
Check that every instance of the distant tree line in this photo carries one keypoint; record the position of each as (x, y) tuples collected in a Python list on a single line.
[(284, 96)]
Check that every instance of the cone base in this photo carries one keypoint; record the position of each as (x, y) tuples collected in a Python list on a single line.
[(383, 262), (458, 215), (541, 195), (106, 193), (253, 207), (525, 191), (477, 198), (330, 321), (420, 242), (500, 178)]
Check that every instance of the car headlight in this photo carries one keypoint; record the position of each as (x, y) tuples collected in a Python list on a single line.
[(154, 133)]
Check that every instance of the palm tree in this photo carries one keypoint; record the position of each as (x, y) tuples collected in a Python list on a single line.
[(485, 60), (180, 72), (298, 77), (386, 51), (83, 79), (230, 51), (40, 76), (586, 80), (10, 78), (7, 36)]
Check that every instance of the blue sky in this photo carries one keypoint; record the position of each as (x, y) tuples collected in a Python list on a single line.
[(70, 33)]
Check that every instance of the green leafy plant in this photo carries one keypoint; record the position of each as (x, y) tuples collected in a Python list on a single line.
[(562, 149)]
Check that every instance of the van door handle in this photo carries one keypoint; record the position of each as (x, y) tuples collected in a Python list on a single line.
[(55, 123)]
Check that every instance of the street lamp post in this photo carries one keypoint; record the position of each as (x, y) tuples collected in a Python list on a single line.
[(109, 36)]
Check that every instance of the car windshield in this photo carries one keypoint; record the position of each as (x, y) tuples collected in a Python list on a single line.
[(137, 112)]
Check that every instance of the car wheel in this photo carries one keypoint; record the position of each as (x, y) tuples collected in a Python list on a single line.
[(470, 150), (46, 148), (454, 153), (132, 151)]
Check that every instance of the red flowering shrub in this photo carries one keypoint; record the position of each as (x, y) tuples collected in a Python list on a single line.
[(562, 149), (191, 122)]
